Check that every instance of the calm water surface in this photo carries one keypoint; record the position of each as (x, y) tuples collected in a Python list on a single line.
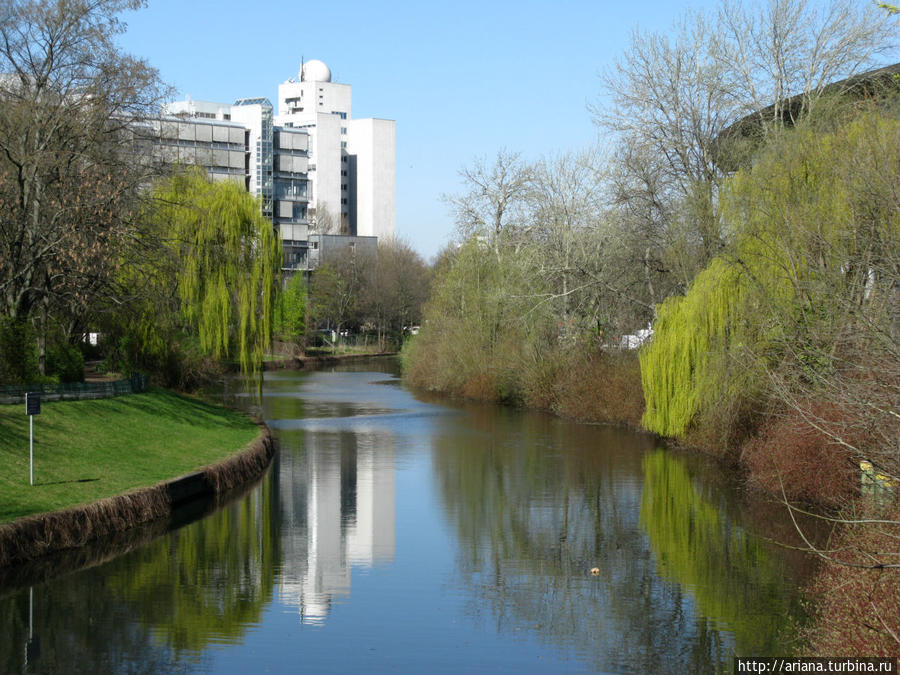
[(395, 534)]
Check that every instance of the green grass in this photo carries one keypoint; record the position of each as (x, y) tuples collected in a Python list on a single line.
[(88, 450)]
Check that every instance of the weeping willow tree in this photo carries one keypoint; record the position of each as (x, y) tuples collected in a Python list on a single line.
[(815, 265), (227, 259), (680, 370)]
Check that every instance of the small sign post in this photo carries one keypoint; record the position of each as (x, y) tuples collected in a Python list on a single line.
[(32, 408)]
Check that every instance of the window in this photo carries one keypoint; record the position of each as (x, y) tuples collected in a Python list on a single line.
[(344, 172), (344, 201), (343, 186), (343, 144), (344, 131)]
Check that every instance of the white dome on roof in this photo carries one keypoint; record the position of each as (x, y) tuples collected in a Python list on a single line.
[(315, 71)]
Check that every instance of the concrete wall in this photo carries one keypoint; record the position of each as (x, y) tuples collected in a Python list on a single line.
[(372, 144)]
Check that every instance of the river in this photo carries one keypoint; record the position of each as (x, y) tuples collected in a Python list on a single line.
[(400, 533)]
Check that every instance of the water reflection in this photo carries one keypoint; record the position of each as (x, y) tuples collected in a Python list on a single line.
[(537, 503), (466, 534), (155, 609), (337, 504), (335, 474)]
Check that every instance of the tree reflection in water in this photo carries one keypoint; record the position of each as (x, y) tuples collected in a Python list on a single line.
[(736, 581), (534, 503), (537, 502), (161, 605)]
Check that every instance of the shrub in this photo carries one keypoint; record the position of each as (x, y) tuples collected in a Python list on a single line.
[(857, 610), (789, 453), (65, 361), (18, 352), (600, 386)]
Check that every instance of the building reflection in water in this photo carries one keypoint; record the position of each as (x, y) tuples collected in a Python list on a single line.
[(337, 502)]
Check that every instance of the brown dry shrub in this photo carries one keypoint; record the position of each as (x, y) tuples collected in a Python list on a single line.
[(858, 610), (35, 536), (480, 387), (789, 453), (540, 374), (418, 371), (601, 386)]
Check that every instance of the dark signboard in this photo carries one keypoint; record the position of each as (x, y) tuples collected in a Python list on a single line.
[(32, 404)]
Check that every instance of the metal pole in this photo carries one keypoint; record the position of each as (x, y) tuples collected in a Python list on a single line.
[(31, 447), (30, 626)]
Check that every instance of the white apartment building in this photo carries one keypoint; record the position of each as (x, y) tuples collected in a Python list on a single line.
[(319, 173), (352, 162)]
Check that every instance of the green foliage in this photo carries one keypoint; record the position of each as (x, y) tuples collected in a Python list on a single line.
[(688, 367), (290, 311), (18, 352), (226, 259), (816, 226), (65, 361), (484, 325)]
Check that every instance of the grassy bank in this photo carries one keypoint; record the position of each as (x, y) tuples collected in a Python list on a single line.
[(88, 450)]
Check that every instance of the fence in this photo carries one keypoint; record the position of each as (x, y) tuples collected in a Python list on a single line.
[(74, 391)]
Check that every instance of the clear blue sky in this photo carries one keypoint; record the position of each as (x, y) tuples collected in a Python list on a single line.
[(462, 79)]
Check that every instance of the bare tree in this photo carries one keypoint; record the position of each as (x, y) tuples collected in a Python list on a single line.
[(494, 196), (670, 100), (323, 220), (68, 175), (652, 239), (569, 232), (785, 52), (395, 289), (673, 98)]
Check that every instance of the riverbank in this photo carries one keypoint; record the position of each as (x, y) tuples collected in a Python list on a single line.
[(316, 360), (593, 386), (854, 609), (106, 466)]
